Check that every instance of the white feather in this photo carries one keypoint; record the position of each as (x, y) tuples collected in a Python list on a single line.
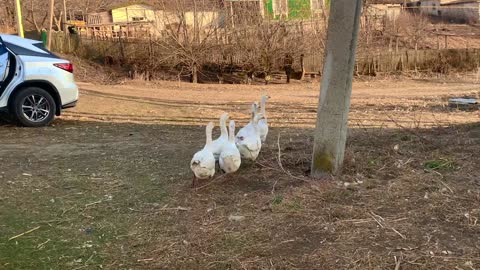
[(230, 158), (203, 162), (263, 123), (218, 144), (248, 138)]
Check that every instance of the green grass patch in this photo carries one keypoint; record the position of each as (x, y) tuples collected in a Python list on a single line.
[(440, 164), (277, 200)]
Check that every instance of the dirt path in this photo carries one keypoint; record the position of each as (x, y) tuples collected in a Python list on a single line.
[(411, 103)]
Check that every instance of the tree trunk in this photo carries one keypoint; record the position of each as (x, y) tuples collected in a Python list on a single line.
[(194, 73), (58, 21), (336, 89), (196, 31), (396, 44), (65, 26)]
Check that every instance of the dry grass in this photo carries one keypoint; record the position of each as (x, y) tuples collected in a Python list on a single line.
[(388, 208)]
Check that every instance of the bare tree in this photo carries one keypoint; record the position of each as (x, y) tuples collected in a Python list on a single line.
[(36, 11), (187, 40), (265, 46), (414, 28), (393, 31), (7, 16)]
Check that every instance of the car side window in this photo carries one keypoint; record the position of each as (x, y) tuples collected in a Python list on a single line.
[(3, 62)]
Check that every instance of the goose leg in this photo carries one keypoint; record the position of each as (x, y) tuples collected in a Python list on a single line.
[(194, 182)]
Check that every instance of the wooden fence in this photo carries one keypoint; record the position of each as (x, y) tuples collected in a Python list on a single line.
[(435, 60)]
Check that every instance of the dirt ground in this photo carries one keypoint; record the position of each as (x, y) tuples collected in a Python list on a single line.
[(107, 186), (409, 102)]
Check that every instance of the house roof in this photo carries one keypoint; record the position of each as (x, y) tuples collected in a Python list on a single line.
[(386, 1), (129, 3), (456, 2), (175, 5), (189, 5)]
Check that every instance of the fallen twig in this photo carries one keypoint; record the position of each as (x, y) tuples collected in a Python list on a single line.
[(280, 161), (93, 203), (273, 187), (398, 262), (397, 232), (176, 209), (41, 245), (24, 233), (145, 260), (409, 130), (378, 216), (210, 183), (280, 154), (376, 220), (443, 183)]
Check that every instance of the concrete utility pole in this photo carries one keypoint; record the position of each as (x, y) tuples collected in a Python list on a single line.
[(336, 88), (19, 18)]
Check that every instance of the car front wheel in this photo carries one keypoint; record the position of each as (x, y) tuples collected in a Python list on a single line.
[(34, 107)]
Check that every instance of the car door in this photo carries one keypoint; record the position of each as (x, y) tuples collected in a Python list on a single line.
[(3, 62)]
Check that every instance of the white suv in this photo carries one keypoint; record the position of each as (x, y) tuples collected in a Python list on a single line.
[(35, 85)]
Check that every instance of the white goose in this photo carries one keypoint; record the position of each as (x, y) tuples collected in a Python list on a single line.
[(230, 158), (263, 123), (217, 144), (248, 138), (203, 162), (249, 128)]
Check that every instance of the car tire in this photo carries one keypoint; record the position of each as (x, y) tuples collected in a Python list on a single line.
[(33, 107)]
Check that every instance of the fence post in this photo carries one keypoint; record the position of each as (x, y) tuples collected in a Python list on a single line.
[(302, 64), (122, 48), (396, 44), (402, 62), (407, 60)]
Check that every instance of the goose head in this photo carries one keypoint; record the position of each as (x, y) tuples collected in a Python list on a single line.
[(263, 101)]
